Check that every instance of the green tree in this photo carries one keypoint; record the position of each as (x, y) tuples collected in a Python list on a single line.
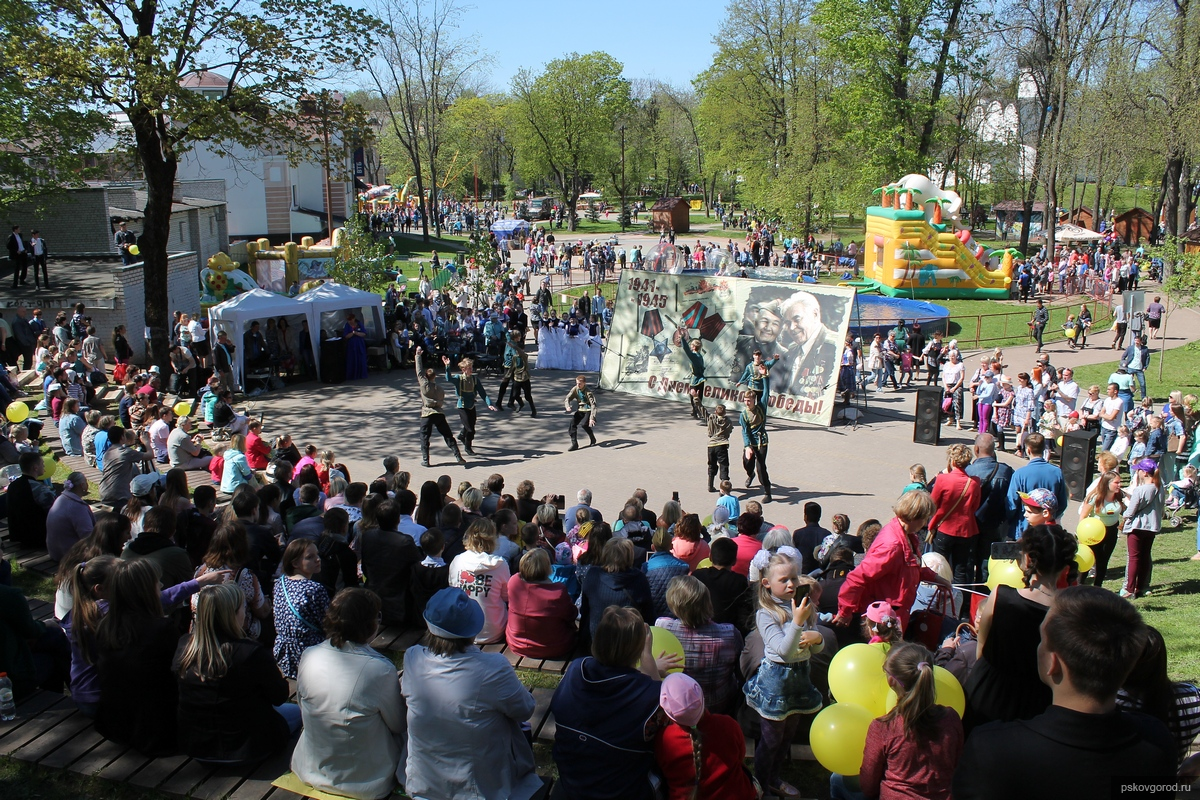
[(421, 70), (137, 57), (47, 120), (565, 119), (363, 260)]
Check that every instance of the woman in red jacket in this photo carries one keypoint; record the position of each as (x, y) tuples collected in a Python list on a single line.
[(955, 533), (541, 615), (891, 571), (700, 754)]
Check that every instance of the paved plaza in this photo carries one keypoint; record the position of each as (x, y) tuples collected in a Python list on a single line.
[(644, 442)]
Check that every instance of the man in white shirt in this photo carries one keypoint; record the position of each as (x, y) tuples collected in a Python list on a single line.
[(1112, 416), (160, 431), (1067, 393), (39, 252)]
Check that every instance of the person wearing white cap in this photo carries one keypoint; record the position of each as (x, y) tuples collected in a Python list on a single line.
[(465, 710), (700, 753)]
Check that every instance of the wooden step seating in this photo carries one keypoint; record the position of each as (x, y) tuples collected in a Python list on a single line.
[(50, 731)]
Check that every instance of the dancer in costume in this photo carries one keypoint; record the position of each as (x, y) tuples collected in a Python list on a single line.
[(432, 416), (516, 369), (696, 384), (467, 387), (754, 437), (585, 411)]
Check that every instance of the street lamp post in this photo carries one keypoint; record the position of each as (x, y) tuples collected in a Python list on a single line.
[(623, 210)]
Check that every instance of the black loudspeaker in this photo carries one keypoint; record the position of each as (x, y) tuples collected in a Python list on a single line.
[(927, 428), (1078, 461)]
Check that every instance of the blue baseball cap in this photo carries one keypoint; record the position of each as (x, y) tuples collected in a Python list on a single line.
[(450, 614)]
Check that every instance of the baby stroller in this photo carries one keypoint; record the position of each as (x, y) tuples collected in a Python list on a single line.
[(1181, 500)]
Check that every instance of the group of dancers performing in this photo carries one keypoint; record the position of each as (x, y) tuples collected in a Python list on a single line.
[(580, 402)]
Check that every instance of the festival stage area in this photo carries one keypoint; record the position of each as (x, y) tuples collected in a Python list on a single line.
[(643, 442)]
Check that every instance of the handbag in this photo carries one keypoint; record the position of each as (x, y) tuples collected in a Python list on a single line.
[(927, 625)]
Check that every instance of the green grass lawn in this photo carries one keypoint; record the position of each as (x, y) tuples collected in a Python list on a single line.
[(1180, 370)]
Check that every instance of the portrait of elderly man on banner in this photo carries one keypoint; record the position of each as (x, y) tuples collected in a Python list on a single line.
[(789, 327)]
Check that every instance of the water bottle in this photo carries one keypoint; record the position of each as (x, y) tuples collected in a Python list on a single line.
[(8, 709)]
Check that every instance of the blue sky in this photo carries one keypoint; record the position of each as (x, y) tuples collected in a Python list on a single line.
[(669, 41)]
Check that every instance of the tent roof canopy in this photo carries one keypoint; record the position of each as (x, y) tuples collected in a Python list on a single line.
[(336, 295), (256, 302), (1072, 233), (510, 225)]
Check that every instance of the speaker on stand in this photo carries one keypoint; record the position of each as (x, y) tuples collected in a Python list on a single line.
[(927, 428), (1078, 461)]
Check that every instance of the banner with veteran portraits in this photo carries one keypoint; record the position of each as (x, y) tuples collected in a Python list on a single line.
[(800, 329)]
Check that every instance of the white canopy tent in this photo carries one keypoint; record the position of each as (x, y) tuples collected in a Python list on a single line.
[(235, 316), (1071, 233), (328, 304)]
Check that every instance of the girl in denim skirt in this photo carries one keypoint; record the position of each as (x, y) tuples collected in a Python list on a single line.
[(781, 690)]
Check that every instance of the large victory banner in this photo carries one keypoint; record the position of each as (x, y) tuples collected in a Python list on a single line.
[(802, 326)]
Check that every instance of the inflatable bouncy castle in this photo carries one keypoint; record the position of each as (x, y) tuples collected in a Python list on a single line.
[(916, 247)]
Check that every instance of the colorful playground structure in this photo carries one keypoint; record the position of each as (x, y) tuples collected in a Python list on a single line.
[(915, 247), (290, 268)]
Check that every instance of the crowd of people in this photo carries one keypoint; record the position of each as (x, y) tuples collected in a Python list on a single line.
[(180, 622)]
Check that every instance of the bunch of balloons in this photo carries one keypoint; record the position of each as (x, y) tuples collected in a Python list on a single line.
[(858, 683)]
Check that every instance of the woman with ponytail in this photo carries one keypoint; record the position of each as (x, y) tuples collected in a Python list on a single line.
[(1005, 685), (700, 754), (86, 584), (233, 704), (913, 749)]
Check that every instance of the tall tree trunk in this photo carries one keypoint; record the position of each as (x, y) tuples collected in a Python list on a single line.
[(939, 79), (1172, 181), (159, 167)]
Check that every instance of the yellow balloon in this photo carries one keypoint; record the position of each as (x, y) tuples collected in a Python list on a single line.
[(1085, 558), (856, 677), (838, 737), (134, 250), (17, 412), (1071, 333), (663, 641), (704, 563), (1060, 440), (947, 691), (1090, 531), (182, 408), (1004, 572)]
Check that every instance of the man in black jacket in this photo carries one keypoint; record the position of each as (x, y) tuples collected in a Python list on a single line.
[(1082, 745), (993, 506), (387, 560), (264, 548), (18, 255)]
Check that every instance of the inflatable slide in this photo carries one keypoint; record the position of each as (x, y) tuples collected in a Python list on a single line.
[(916, 247)]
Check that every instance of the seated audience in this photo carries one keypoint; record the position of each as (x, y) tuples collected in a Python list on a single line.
[(70, 519), (700, 753), (233, 705), (661, 568), (617, 583), (541, 614), (387, 560), (484, 577), (710, 650), (465, 708), (230, 550), (350, 705), (730, 592), (605, 709), (300, 604)]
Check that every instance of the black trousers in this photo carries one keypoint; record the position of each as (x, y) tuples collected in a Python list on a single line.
[(1103, 552), (718, 460), (436, 421), (696, 394), (467, 416), (40, 261), (523, 388), (581, 417), (961, 552), (757, 462), (20, 268)]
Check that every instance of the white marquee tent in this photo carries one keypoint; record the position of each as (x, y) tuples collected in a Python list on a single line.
[(324, 307), (235, 315), (328, 304)]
